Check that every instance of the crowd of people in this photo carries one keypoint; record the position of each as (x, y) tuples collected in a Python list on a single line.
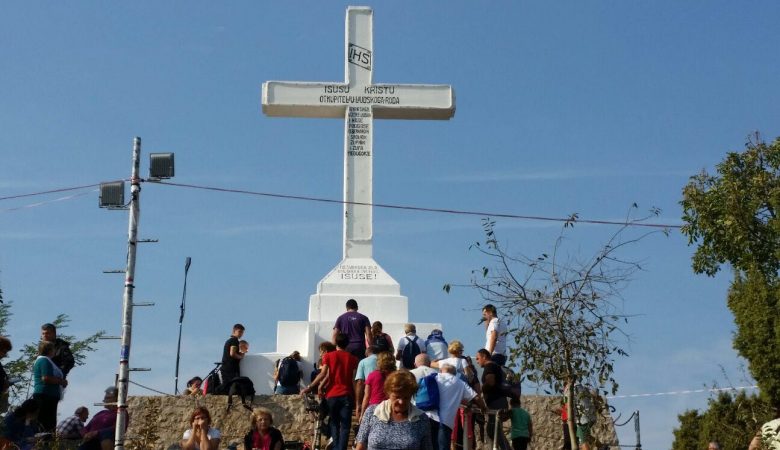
[(35, 420), (362, 373), (414, 393)]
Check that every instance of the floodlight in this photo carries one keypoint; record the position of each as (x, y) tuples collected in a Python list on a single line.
[(112, 195), (161, 165)]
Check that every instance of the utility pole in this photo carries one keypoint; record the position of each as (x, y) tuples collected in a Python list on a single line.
[(636, 429), (127, 299)]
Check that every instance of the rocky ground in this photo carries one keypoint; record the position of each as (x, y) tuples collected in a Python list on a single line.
[(158, 422)]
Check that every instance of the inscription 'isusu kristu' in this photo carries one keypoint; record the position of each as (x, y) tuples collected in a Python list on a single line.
[(345, 89)]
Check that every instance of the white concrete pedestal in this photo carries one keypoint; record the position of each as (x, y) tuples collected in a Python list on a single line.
[(378, 296)]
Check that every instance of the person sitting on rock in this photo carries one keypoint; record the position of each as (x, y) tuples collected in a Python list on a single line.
[(201, 436), (194, 386), (262, 435), (99, 432)]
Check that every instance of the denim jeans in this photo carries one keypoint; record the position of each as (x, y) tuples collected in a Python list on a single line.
[(445, 436), (286, 390), (340, 421)]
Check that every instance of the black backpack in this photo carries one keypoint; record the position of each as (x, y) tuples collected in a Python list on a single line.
[(213, 383), (288, 372), (411, 349), (244, 389), (381, 343)]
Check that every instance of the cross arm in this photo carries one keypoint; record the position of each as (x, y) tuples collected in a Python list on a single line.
[(415, 101), (297, 99)]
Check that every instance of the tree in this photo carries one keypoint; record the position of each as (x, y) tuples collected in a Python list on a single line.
[(687, 435), (754, 302), (21, 367), (730, 419), (562, 311), (732, 217)]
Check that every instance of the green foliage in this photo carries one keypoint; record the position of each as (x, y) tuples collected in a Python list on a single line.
[(562, 311), (732, 216), (687, 435), (755, 303), (22, 366), (732, 420)]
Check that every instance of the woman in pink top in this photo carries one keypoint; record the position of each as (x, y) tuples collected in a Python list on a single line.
[(375, 382)]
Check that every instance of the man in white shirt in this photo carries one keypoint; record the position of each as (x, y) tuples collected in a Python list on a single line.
[(452, 391), (495, 335), (422, 367), (416, 346)]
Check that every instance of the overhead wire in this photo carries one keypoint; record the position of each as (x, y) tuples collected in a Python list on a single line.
[(51, 191), (343, 202), (418, 208), (46, 202)]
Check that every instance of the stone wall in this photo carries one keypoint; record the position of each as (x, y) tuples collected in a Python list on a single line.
[(158, 422)]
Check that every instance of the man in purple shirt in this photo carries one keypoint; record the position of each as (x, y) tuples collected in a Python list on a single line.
[(99, 432), (356, 326)]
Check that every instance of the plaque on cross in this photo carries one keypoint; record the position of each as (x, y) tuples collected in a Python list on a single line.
[(358, 101)]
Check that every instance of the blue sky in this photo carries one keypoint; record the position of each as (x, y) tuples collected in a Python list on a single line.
[(562, 107)]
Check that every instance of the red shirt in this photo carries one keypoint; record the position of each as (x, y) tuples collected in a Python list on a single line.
[(341, 370), (376, 387)]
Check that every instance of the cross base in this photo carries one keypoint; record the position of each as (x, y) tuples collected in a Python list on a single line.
[(378, 296)]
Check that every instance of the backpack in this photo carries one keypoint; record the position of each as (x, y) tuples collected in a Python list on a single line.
[(288, 372), (427, 397), (212, 383), (244, 389), (510, 383), (411, 349), (381, 343)]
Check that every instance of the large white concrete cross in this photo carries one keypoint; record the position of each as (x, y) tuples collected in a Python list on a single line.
[(358, 101)]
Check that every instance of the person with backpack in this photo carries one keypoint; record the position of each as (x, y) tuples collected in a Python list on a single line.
[(452, 391), (494, 398), (436, 345), (409, 347), (381, 340), (288, 374)]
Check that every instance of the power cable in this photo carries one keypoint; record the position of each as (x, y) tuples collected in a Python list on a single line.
[(52, 191), (150, 389), (343, 202), (415, 208), (633, 414), (33, 205)]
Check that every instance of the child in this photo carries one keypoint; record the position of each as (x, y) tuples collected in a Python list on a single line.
[(521, 425)]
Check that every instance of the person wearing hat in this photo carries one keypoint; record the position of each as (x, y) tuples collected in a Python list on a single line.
[(99, 432)]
